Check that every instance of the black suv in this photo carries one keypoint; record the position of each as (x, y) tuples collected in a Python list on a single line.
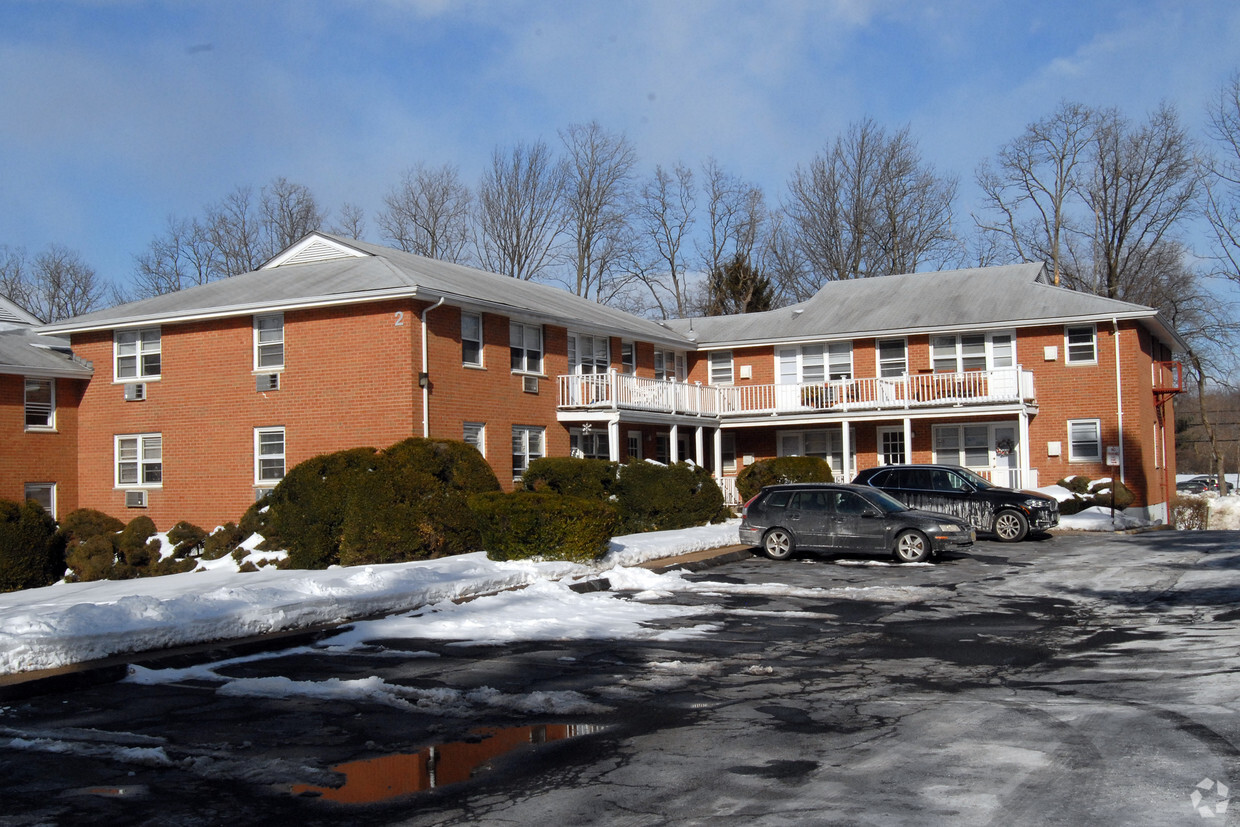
[(1004, 512)]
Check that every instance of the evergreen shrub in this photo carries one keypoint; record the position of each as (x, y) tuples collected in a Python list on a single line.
[(527, 524), (754, 477), (79, 526), (592, 479), (32, 552), (654, 497), (187, 539), (223, 540)]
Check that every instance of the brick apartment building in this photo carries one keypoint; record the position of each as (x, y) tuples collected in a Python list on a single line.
[(201, 399)]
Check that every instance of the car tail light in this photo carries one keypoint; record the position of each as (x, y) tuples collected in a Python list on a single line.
[(749, 502)]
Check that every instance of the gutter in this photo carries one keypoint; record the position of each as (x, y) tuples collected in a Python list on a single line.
[(424, 376), (1119, 397)]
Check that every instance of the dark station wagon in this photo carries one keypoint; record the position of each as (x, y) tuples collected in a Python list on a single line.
[(1007, 513), (783, 519)]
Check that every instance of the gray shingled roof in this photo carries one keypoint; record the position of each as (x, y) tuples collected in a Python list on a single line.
[(978, 298), (24, 352), (382, 273)]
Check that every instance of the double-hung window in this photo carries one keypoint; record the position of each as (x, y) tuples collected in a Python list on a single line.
[(892, 358), (139, 460), (669, 365), (40, 404), (471, 339), (721, 367), (957, 354), (44, 493), (526, 345), (588, 354), (136, 354), (1080, 344), (628, 358), (1084, 440), (527, 446), (269, 341), (475, 434), (269, 460)]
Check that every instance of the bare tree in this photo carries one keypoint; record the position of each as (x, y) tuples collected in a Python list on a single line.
[(597, 203), (182, 257), (519, 211), (1032, 186), (1222, 182), (13, 282), (290, 211), (664, 217), (236, 232), (869, 206), (428, 213), (61, 285), (1142, 182), (351, 222), (736, 216)]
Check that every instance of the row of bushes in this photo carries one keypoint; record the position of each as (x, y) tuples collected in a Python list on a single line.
[(1087, 494)]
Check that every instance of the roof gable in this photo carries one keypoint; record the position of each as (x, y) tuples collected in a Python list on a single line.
[(314, 248), (12, 314)]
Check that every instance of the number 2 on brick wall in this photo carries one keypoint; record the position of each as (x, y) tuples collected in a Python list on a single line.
[(400, 318)]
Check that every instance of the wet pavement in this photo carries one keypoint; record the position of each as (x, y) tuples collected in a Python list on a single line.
[(1075, 679)]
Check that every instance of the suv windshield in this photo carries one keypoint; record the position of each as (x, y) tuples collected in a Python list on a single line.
[(976, 481)]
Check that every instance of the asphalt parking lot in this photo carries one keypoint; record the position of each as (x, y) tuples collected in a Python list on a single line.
[(1080, 678)]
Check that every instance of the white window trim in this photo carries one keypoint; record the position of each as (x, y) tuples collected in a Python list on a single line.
[(525, 431), (481, 429), (480, 341), (1067, 352), (51, 486), (885, 430), (598, 360), (716, 375), (1072, 457), (260, 368), (628, 367), (542, 348), (259, 480), (958, 348), (51, 415), (139, 376), (139, 461), (878, 356)]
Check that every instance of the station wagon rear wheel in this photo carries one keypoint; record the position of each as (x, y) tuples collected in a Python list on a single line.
[(912, 547), (1011, 526), (777, 544)]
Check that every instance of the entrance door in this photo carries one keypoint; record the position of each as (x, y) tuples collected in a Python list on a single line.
[(1007, 461)]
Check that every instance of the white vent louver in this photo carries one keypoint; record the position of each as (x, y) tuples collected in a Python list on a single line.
[(317, 250), (529, 384), (267, 382), (135, 499), (135, 391)]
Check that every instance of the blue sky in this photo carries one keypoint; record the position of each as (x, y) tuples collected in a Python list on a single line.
[(115, 114)]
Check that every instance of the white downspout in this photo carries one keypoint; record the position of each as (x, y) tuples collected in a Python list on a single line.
[(426, 371), (1119, 397)]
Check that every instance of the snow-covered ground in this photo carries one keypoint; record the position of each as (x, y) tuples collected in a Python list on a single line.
[(75, 622)]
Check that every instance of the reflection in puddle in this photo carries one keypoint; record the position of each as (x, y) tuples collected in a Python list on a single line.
[(389, 776)]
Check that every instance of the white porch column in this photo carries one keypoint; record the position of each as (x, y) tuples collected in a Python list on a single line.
[(718, 448), (673, 449), (613, 439), (698, 446), (1025, 450), (908, 439), (846, 445)]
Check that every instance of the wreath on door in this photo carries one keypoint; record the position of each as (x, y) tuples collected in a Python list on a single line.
[(1004, 447)]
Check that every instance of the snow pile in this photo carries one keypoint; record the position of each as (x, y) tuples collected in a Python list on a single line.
[(73, 622)]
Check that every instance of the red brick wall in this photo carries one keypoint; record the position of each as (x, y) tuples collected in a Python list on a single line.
[(39, 456)]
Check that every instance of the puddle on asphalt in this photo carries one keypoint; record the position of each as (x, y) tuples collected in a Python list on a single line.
[(390, 776)]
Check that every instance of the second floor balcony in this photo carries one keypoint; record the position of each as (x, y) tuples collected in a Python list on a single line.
[(617, 391)]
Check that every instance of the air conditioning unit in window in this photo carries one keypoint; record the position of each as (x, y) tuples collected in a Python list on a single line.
[(135, 499), (259, 493), (135, 391), (529, 384), (267, 382)]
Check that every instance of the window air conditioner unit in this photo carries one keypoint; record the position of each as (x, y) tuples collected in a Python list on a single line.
[(267, 382), (529, 384), (259, 493), (135, 499), (135, 391)]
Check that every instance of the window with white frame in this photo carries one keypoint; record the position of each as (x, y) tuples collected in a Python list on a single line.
[(475, 434), (589, 443), (44, 493), (628, 357), (727, 447), (1081, 344), (40, 404), (136, 354), (892, 358), (669, 365), (967, 445), (810, 364), (956, 354), (139, 460), (839, 360), (635, 444), (527, 445), (721, 367), (526, 344), (268, 456), (471, 339), (269, 341), (891, 449), (588, 353), (1084, 440), (825, 444)]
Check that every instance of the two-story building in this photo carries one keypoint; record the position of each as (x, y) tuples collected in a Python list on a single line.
[(201, 399)]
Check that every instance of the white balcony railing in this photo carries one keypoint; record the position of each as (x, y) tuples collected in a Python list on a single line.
[(617, 391)]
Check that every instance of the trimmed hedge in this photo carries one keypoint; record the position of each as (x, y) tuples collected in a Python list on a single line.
[(593, 479), (32, 552), (408, 502), (654, 497), (1086, 495), (112, 555), (527, 524), (753, 478)]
